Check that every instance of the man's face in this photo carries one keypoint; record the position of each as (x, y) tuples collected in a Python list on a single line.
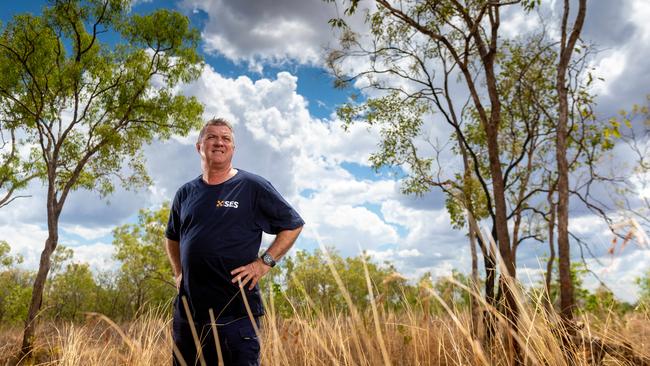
[(216, 145)]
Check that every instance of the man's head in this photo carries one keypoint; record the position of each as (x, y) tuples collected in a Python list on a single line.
[(216, 122), (216, 142)]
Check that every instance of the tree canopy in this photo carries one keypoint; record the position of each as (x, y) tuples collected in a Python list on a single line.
[(87, 84)]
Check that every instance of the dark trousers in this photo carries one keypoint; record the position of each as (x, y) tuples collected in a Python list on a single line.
[(237, 338)]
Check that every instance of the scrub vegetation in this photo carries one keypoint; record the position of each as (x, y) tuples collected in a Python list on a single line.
[(321, 309), (524, 139)]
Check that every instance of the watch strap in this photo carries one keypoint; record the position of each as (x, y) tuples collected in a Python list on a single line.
[(268, 259)]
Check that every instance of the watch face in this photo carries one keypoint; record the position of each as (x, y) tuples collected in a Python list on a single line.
[(268, 260)]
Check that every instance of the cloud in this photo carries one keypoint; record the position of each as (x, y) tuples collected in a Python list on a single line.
[(85, 232), (25, 239), (138, 2), (588, 224), (28, 240), (259, 32), (619, 272), (277, 138), (87, 208), (98, 255), (514, 22), (609, 23), (30, 208), (422, 224), (274, 131), (82, 208), (621, 33)]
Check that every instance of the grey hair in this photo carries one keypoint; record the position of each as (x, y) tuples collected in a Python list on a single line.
[(216, 122)]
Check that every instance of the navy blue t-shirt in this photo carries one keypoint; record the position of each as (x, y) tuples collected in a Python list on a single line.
[(219, 228)]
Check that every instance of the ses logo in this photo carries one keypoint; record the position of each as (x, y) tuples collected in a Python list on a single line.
[(228, 204)]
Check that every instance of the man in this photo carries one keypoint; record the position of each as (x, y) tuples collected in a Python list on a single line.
[(213, 239)]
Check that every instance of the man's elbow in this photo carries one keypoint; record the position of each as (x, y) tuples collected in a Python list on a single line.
[(297, 230), (291, 233)]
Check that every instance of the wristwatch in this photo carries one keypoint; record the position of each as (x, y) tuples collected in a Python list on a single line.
[(268, 259)]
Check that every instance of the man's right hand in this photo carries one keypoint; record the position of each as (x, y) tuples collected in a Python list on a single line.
[(173, 252), (178, 282)]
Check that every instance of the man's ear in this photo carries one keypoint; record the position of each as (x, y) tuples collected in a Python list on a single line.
[(198, 148)]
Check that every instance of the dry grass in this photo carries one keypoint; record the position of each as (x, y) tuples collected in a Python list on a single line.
[(377, 337), (98, 341), (410, 337)]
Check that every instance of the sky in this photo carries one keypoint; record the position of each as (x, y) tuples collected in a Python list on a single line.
[(265, 72)]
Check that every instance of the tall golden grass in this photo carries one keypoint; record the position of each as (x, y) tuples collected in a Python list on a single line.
[(375, 337)]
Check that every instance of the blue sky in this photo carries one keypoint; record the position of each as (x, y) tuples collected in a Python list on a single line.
[(265, 72)]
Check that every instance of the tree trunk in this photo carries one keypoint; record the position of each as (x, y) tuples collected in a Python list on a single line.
[(489, 262), (515, 237), (41, 277), (567, 301), (476, 314), (498, 191), (474, 230), (551, 258), (564, 252), (508, 273), (491, 126), (520, 198)]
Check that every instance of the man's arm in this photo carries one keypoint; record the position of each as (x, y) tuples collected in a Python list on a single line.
[(283, 242), (174, 255), (255, 270)]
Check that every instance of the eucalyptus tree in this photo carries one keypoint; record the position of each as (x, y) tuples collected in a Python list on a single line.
[(569, 37), (16, 171), (632, 127), (13, 288), (528, 122), (408, 39), (467, 35), (504, 131), (143, 278), (91, 83), (72, 292)]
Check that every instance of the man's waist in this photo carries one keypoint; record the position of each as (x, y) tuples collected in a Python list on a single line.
[(222, 313)]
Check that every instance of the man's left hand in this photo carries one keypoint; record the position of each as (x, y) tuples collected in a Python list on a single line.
[(252, 272)]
